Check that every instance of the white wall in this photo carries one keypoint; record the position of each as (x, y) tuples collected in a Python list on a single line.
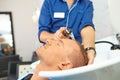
[(101, 19), (25, 31), (114, 8), (106, 17)]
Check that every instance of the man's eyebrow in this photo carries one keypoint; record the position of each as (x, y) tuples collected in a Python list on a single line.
[(61, 43)]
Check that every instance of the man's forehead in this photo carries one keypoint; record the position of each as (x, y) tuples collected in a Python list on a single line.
[(68, 41), (64, 41)]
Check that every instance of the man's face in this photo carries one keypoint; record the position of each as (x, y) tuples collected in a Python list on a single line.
[(54, 51)]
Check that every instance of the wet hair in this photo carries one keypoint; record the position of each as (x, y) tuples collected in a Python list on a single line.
[(84, 53)]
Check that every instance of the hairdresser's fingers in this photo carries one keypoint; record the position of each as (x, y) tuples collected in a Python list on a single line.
[(90, 61), (57, 34), (62, 29), (60, 33), (91, 57), (60, 36)]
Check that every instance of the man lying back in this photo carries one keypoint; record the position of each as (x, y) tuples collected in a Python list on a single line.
[(59, 55)]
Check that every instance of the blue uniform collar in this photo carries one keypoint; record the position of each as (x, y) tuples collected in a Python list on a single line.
[(65, 0)]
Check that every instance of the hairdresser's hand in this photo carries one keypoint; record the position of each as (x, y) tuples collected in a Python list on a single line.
[(91, 56), (60, 33)]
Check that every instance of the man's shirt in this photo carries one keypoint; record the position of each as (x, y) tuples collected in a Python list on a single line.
[(56, 13)]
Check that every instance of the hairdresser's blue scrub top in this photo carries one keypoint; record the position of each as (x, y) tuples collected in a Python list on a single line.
[(56, 13)]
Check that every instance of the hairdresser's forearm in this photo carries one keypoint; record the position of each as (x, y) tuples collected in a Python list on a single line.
[(46, 35), (88, 37), (57, 35)]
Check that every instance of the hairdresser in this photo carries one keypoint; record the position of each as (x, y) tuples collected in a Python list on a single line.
[(58, 15)]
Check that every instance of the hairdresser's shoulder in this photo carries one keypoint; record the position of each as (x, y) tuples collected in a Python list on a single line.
[(50, 1), (86, 2)]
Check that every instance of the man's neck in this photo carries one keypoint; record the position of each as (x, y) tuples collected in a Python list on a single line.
[(42, 67)]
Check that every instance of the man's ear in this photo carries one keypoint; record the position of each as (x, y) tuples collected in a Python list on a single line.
[(65, 65)]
